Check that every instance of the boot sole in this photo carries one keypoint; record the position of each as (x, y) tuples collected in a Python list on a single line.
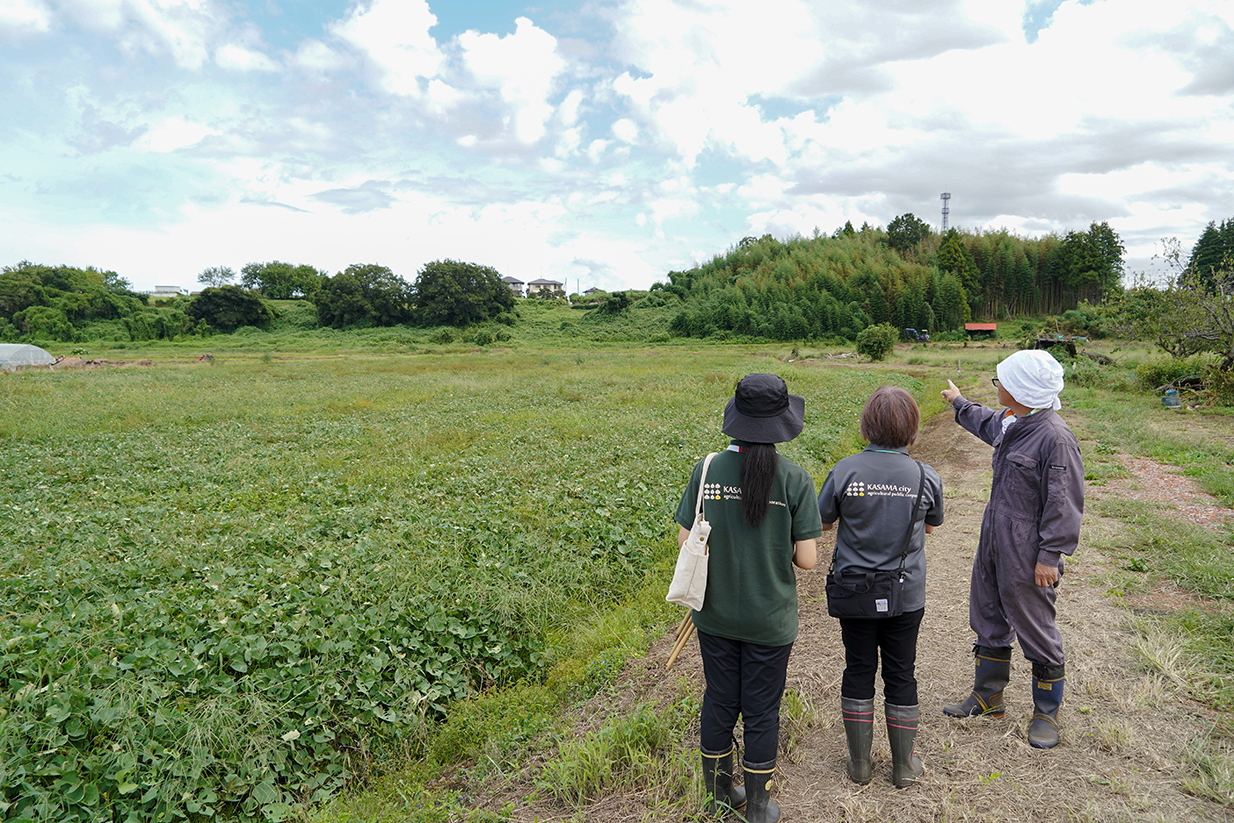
[(960, 716)]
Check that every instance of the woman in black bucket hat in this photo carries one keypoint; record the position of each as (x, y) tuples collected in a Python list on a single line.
[(764, 520)]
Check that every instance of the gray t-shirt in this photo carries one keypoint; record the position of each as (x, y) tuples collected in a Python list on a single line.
[(872, 494)]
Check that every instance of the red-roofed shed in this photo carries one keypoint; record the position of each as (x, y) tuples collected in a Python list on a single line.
[(981, 329)]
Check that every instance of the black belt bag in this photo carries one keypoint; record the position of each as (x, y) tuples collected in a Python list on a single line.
[(871, 594)]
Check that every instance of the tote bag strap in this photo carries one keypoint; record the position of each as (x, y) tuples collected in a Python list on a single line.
[(698, 505)]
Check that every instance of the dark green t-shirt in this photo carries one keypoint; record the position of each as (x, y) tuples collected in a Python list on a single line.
[(751, 586)]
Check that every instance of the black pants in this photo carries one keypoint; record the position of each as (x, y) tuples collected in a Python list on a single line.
[(897, 637), (747, 679)]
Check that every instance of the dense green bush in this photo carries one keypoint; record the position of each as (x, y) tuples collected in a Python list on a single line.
[(56, 302), (876, 342), (228, 308), (1157, 373), (1085, 320), (1092, 375), (452, 293), (444, 335), (364, 295), (1219, 385)]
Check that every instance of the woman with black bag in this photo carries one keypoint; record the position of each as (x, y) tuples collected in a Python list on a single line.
[(886, 503)]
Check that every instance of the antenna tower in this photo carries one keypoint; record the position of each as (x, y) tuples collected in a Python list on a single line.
[(946, 197)]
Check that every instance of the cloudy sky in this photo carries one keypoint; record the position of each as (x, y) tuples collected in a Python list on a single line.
[(595, 143)]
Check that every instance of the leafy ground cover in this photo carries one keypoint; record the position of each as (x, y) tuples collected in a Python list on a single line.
[(1147, 619), (234, 588)]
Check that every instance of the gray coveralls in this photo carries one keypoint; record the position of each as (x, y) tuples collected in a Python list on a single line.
[(1036, 502)]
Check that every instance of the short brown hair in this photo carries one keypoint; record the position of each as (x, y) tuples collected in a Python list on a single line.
[(890, 418)]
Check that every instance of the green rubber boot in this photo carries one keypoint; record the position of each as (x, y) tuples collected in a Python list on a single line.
[(906, 767), (859, 729)]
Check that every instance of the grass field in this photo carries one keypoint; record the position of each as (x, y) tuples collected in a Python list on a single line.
[(234, 587)]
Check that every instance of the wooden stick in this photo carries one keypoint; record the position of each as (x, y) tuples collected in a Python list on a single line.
[(681, 644), (681, 627)]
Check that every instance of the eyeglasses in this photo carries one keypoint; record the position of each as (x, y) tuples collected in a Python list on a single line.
[(994, 380)]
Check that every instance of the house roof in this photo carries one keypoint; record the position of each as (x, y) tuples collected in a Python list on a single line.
[(980, 327), (543, 282), (511, 280)]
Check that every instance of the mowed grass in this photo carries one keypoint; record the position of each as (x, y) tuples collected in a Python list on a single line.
[(234, 588)]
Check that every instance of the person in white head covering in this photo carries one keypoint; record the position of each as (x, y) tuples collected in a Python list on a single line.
[(1031, 522)]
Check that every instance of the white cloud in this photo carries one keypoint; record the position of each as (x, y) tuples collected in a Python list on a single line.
[(239, 58), (21, 18), (181, 28), (393, 35), (173, 133), (316, 56), (625, 130), (681, 128), (522, 67)]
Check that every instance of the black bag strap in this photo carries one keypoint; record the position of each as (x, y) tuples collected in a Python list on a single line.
[(912, 521)]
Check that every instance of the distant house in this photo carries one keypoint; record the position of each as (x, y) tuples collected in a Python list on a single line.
[(537, 286), (515, 285), (167, 291), (590, 291), (981, 329)]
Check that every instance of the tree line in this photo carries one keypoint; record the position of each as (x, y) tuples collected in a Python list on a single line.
[(64, 303), (905, 275), (823, 287)]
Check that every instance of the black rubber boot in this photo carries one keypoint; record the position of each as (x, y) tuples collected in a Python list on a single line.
[(906, 767), (722, 795), (859, 729), (1047, 697), (760, 808), (993, 675)]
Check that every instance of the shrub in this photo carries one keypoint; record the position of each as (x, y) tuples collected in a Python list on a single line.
[(227, 308), (1092, 375), (1157, 373), (443, 336), (1220, 386), (876, 342), (1085, 320)]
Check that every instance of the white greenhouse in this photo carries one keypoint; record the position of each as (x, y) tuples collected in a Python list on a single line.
[(14, 356)]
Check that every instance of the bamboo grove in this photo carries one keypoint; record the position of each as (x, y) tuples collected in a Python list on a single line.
[(905, 275)]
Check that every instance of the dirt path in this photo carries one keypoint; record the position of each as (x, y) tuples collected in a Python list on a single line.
[(1123, 729)]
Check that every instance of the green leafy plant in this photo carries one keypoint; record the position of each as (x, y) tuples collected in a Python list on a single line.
[(876, 342)]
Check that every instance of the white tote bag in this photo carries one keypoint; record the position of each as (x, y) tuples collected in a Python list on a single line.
[(690, 577)]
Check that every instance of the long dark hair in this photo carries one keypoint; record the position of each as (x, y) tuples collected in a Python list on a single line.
[(758, 472)]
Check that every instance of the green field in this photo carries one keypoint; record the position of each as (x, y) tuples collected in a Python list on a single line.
[(230, 588)]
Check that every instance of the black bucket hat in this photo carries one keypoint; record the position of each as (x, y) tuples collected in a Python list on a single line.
[(762, 411)]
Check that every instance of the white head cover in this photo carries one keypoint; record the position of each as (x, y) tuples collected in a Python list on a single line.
[(1033, 377)]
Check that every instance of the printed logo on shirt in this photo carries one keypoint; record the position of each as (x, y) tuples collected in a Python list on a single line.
[(716, 491), (859, 488)]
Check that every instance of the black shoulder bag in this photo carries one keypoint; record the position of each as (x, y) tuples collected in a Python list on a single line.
[(871, 595)]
